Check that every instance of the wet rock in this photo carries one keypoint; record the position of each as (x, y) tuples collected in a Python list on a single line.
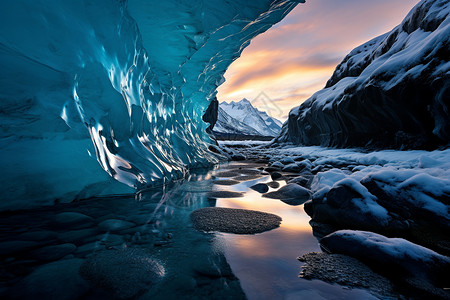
[(56, 280), (396, 258), (224, 194), (273, 184), (78, 236), (115, 225), (260, 188), (294, 168), (53, 252), (89, 248), (304, 181), (277, 164), (238, 157), (271, 169), (38, 235), (240, 221), (14, 247), (345, 271), (287, 161), (292, 194), (226, 182), (276, 175), (124, 273), (110, 240), (72, 220)]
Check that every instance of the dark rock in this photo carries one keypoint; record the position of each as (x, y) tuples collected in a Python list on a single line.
[(211, 114), (224, 194), (72, 220), (346, 271), (273, 184), (271, 169), (304, 181), (399, 259), (115, 225), (238, 157), (287, 161), (14, 247), (292, 194), (53, 252), (226, 182), (239, 221), (124, 273), (276, 175), (292, 168), (80, 236), (260, 187), (367, 103), (56, 280)]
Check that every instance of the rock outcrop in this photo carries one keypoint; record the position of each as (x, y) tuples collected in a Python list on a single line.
[(391, 92)]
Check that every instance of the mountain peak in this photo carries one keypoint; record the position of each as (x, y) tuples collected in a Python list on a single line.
[(241, 114)]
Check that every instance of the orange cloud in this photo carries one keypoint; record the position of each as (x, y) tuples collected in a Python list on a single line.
[(297, 56)]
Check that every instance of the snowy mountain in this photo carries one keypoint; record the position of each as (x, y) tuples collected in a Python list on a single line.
[(242, 118), (391, 92)]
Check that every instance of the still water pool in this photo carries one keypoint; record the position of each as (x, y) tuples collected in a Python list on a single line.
[(41, 251)]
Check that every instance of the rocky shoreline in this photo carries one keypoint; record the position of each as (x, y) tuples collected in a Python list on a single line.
[(388, 211)]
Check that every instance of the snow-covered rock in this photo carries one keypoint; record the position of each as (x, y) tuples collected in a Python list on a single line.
[(244, 119), (396, 258), (390, 92)]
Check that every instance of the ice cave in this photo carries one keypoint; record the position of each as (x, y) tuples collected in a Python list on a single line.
[(113, 89)]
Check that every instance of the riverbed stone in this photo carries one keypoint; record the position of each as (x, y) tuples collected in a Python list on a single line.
[(260, 188), (292, 194), (124, 273), (53, 252), (231, 220)]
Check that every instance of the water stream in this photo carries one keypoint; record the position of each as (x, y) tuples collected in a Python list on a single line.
[(197, 265)]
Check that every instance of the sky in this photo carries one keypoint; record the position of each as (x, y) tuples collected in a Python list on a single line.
[(288, 63)]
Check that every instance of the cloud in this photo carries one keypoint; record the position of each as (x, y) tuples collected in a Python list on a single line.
[(297, 56)]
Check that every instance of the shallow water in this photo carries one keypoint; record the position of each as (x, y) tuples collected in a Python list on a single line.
[(196, 265)]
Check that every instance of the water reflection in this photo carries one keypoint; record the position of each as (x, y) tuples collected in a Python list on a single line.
[(266, 263)]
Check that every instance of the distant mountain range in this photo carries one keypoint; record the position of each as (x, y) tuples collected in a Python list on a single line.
[(241, 118)]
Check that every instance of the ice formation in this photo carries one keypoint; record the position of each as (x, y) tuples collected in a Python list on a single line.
[(120, 83)]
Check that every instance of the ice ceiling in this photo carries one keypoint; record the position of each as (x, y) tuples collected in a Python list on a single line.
[(92, 91)]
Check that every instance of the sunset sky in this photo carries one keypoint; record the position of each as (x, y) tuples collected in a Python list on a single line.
[(296, 57)]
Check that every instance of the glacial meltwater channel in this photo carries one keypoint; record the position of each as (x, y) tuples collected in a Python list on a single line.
[(145, 247)]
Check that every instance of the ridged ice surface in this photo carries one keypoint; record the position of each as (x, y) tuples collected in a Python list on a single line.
[(94, 90)]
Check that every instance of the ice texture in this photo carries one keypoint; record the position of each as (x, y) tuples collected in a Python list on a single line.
[(94, 90)]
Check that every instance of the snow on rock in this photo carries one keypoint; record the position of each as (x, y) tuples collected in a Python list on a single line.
[(395, 257), (106, 97), (402, 193), (391, 92)]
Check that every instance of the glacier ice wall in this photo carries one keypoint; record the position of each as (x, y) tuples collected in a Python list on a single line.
[(107, 96)]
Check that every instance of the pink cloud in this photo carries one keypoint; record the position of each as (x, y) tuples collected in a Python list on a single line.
[(307, 45)]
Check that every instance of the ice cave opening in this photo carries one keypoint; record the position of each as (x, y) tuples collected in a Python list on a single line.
[(105, 97)]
